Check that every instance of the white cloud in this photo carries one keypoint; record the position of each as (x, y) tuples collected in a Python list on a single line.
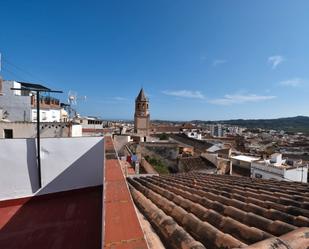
[(230, 99), (295, 82), (276, 60), (119, 98), (112, 100), (185, 94), (219, 61)]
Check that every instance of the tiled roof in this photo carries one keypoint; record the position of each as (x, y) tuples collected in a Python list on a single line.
[(216, 211), (199, 145), (196, 163)]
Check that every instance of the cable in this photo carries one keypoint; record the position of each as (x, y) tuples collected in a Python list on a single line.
[(20, 69), (12, 73)]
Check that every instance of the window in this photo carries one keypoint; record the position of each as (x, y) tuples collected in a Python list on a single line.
[(44, 116), (8, 133)]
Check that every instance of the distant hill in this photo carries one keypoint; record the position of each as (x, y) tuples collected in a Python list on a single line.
[(292, 124)]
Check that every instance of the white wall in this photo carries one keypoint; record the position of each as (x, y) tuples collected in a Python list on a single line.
[(50, 115), (77, 130), (71, 163), (18, 172), (17, 85), (66, 163), (297, 174), (28, 130), (268, 172)]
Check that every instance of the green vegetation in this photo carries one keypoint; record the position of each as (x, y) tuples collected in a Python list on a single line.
[(163, 136), (157, 164)]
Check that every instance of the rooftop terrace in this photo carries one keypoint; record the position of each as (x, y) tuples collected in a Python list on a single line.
[(70, 219)]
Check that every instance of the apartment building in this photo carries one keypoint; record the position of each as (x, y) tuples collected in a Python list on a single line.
[(20, 105)]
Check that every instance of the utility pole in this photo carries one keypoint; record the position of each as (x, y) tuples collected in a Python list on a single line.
[(38, 135)]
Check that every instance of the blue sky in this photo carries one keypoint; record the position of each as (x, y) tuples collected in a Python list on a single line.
[(196, 59)]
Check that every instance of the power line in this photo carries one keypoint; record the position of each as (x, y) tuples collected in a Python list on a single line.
[(12, 73), (15, 70), (21, 69)]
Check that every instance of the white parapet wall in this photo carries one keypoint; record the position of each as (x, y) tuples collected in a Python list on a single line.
[(66, 164), (18, 170)]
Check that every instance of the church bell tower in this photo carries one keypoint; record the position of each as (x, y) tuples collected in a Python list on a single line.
[(142, 116)]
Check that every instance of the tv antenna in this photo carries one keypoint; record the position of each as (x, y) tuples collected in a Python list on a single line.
[(73, 98)]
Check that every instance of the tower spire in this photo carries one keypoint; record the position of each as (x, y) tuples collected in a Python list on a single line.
[(141, 96), (142, 116)]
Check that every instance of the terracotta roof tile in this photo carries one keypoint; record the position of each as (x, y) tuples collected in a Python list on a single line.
[(227, 211)]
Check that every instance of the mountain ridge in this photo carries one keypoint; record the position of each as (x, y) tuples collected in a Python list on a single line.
[(289, 124)]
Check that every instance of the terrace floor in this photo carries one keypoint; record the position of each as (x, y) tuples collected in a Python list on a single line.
[(70, 219)]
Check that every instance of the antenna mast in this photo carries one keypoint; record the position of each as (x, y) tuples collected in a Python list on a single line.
[(72, 100)]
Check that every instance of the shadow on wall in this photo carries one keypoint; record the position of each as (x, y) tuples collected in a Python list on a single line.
[(59, 172), (32, 167), (71, 219), (86, 171)]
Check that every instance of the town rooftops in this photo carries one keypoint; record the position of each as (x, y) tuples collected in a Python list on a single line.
[(197, 163), (215, 148), (276, 161), (281, 165), (197, 210), (244, 158)]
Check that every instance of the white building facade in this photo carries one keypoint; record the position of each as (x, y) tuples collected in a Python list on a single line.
[(20, 105), (46, 115), (276, 168)]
